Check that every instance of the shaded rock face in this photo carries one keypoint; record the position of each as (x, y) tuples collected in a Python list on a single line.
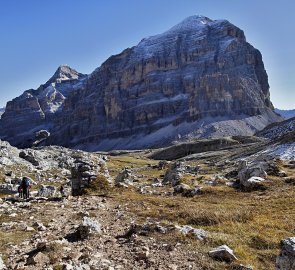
[(198, 69), (35, 110)]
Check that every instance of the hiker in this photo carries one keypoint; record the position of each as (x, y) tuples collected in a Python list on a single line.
[(20, 191), (62, 190), (26, 187)]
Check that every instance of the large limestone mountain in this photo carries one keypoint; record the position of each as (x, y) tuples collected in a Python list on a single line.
[(199, 79)]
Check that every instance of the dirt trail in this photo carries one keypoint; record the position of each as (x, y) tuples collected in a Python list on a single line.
[(100, 251)]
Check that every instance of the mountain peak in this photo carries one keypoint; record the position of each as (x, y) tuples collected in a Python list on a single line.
[(64, 73), (191, 23)]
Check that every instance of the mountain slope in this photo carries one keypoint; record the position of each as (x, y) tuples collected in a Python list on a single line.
[(286, 113), (278, 130), (200, 78)]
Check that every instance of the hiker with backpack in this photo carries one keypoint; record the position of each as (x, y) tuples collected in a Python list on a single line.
[(25, 184)]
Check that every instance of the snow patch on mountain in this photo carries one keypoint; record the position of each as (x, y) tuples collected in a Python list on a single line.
[(282, 151)]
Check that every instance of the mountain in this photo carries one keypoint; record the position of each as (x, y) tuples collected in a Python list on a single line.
[(35, 110), (286, 113), (2, 110), (201, 79), (276, 131)]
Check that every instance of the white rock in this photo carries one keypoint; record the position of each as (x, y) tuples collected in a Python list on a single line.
[(198, 233), (253, 183), (92, 224), (223, 253), (29, 229), (2, 265), (248, 170), (286, 259)]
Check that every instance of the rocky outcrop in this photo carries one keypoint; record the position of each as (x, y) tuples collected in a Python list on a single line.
[(200, 79)]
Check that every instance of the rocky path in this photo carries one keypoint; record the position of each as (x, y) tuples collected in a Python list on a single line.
[(53, 239)]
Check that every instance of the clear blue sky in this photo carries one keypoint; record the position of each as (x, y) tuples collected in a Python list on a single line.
[(37, 36)]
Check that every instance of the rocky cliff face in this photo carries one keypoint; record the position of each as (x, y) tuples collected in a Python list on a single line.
[(170, 85), (36, 109)]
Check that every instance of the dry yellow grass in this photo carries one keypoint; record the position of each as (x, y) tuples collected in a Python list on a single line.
[(251, 223)]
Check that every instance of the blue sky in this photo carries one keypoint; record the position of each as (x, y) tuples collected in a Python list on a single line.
[(37, 36)]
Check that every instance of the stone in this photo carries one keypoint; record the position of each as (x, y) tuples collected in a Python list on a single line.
[(29, 229), (39, 259), (147, 97), (87, 228), (2, 265), (40, 136), (253, 183), (249, 170), (186, 190), (241, 267), (39, 226), (181, 188), (46, 191), (223, 253), (282, 173), (174, 174), (142, 255), (125, 177), (200, 234), (29, 156), (286, 258), (8, 188)]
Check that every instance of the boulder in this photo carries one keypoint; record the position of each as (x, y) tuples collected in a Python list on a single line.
[(40, 259), (248, 170), (162, 164), (253, 183), (124, 177), (223, 253), (186, 190), (174, 174), (87, 228), (29, 156), (8, 188), (200, 234), (2, 265), (40, 136), (182, 188), (286, 258), (46, 191)]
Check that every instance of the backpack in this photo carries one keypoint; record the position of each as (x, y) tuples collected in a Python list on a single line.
[(26, 182)]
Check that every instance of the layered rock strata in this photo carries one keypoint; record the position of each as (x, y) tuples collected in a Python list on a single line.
[(200, 78)]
